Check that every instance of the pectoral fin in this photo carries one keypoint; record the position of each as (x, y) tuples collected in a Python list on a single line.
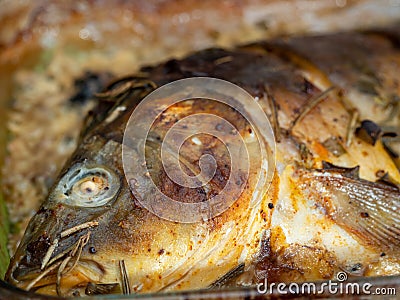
[(368, 210)]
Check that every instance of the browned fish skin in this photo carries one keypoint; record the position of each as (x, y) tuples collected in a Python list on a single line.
[(294, 73)]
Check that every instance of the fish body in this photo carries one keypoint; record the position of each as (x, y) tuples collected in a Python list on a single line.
[(332, 204)]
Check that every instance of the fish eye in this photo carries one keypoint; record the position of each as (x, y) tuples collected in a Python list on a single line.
[(88, 186)]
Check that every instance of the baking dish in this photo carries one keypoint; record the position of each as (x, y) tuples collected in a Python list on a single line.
[(49, 39)]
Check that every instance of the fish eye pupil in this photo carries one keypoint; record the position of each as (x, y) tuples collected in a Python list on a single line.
[(90, 187), (92, 250)]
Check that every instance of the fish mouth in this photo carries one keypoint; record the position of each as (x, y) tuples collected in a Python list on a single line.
[(53, 247), (52, 261), (64, 277)]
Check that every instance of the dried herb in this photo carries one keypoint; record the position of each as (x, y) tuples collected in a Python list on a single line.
[(369, 132)]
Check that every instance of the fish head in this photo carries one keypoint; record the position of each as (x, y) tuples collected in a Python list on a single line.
[(92, 230), (69, 225), (71, 228)]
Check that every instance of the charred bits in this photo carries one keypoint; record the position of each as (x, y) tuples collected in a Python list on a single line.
[(88, 85), (36, 249)]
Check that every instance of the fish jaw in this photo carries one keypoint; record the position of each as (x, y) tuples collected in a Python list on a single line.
[(42, 243), (59, 235), (76, 279), (61, 253)]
